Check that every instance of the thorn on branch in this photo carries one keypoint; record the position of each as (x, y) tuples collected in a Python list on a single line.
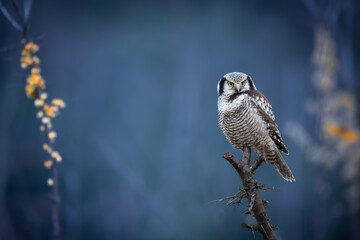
[(237, 198), (252, 227), (265, 202), (274, 227)]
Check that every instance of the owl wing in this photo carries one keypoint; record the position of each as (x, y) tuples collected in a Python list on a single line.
[(264, 109)]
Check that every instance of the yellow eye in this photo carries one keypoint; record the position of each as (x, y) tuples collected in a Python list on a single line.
[(230, 84), (243, 83)]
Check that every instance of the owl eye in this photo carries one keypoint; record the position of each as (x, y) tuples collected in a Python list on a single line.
[(243, 83), (230, 84)]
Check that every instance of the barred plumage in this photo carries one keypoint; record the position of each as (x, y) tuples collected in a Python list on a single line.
[(246, 119)]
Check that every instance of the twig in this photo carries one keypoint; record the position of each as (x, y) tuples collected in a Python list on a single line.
[(55, 205), (55, 196), (8, 16), (17, 10), (256, 164), (257, 206)]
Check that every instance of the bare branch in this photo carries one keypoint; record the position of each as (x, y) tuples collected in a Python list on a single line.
[(17, 10), (257, 206), (10, 18), (27, 10), (256, 164)]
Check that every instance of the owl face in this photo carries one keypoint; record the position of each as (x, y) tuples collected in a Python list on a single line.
[(235, 83)]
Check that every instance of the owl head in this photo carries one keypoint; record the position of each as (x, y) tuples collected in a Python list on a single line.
[(234, 83)]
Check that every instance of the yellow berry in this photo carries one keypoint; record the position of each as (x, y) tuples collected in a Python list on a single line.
[(58, 102), (35, 71), (52, 135), (45, 120), (50, 182), (35, 60), (30, 92), (39, 102), (36, 81), (26, 61), (50, 111), (56, 155), (24, 65), (43, 96), (48, 164), (47, 148), (25, 52), (32, 47), (40, 114)]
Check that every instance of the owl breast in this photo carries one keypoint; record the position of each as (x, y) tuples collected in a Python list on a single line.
[(243, 126)]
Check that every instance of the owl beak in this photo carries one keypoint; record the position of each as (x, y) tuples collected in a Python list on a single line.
[(238, 88)]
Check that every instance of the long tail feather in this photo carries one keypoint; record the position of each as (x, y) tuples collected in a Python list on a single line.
[(280, 165)]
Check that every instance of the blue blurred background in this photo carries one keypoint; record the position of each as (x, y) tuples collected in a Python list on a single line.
[(139, 137)]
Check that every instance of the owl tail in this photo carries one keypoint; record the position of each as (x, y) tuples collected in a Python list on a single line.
[(280, 165)]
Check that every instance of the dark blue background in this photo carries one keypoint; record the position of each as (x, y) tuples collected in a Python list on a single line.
[(139, 137)]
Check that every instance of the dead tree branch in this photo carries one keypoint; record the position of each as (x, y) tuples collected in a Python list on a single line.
[(257, 207)]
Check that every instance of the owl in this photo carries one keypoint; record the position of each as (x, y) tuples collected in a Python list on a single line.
[(246, 118)]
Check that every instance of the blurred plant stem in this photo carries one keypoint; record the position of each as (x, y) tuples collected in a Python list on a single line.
[(336, 148), (35, 90), (55, 195)]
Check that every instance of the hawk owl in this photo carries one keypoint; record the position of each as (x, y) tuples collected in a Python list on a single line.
[(246, 118)]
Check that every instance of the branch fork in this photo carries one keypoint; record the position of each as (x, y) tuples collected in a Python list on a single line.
[(257, 206)]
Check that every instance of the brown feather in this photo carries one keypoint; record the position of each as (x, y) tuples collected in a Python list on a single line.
[(271, 125)]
